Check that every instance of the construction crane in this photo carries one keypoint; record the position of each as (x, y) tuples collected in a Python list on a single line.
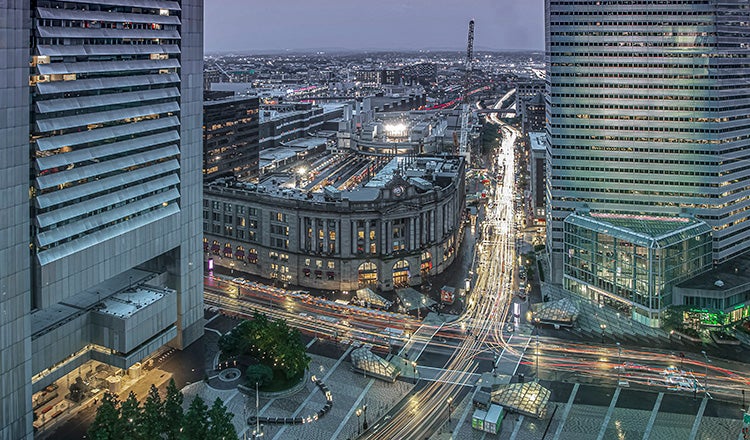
[(464, 135), (469, 59)]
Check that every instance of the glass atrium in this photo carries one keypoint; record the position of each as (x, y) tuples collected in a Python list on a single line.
[(632, 262)]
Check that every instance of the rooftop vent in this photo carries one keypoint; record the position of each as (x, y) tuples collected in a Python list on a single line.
[(719, 283)]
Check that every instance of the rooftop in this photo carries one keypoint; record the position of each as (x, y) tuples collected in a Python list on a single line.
[(343, 176), (644, 230), (729, 275), (538, 140)]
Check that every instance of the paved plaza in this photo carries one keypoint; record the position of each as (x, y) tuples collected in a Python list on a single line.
[(584, 412)]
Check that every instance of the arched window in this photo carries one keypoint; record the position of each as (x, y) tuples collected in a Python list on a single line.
[(368, 275)]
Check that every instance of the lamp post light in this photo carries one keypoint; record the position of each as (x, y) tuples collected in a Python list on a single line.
[(359, 413), (414, 367), (603, 327), (364, 417), (707, 362), (619, 361), (537, 354), (449, 402)]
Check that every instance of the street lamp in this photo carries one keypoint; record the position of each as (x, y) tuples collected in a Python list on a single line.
[(619, 362), (364, 417), (414, 367), (449, 401), (602, 327), (359, 413), (707, 362), (537, 354)]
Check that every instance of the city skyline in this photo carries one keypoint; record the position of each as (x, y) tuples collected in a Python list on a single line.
[(337, 25)]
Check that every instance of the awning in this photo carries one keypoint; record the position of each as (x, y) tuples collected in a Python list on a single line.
[(239, 253), (306, 271), (252, 257), (205, 247), (227, 250), (215, 247), (318, 272), (330, 274)]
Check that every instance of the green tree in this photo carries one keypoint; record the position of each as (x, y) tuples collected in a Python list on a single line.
[(152, 417), (130, 418), (195, 422), (221, 427), (260, 374), (172, 411), (106, 425)]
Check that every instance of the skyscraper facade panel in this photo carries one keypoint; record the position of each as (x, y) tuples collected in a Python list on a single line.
[(101, 135), (648, 113)]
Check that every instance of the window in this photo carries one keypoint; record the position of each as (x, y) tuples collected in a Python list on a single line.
[(319, 264), (331, 265)]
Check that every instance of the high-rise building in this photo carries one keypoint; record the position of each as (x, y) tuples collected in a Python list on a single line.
[(230, 137), (647, 115), (101, 188)]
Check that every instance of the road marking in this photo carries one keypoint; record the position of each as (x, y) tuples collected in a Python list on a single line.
[(611, 409), (503, 352), (428, 341), (519, 422), (652, 419), (312, 393), (352, 409), (309, 344), (698, 418), (520, 358), (212, 318), (566, 411)]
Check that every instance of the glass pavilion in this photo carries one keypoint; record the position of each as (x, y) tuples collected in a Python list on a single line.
[(632, 262)]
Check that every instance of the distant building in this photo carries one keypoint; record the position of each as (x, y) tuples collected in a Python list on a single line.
[(420, 73), (230, 137), (538, 165), (533, 114), (282, 123), (380, 222)]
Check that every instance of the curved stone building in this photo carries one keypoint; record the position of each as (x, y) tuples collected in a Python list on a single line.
[(372, 221)]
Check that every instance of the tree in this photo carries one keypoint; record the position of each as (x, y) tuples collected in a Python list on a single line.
[(106, 425), (221, 427), (172, 411), (195, 422), (260, 374), (152, 417), (130, 418)]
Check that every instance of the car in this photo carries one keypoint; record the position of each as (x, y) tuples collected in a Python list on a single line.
[(239, 280)]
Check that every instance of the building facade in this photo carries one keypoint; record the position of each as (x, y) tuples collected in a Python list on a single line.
[(632, 263), (101, 190), (231, 141), (647, 114), (395, 230)]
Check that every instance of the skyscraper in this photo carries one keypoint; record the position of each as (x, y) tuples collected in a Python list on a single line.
[(101, 188), (648, 113)]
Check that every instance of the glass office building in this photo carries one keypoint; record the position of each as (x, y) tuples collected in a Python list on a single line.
[(647, 113), (632, 262)]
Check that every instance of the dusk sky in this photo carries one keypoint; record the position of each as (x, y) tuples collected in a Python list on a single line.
[(277, 25)]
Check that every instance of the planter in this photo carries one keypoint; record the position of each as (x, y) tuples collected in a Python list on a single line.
[(728, 341), (250, 391), (681, 336)]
